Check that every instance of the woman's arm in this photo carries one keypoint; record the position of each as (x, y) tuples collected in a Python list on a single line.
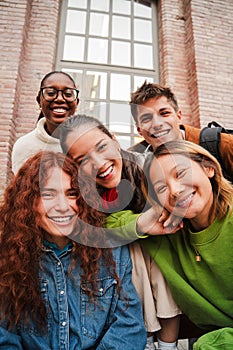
[(127, 226)]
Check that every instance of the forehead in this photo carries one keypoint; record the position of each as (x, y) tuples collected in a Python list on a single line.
[(57, 178), (165, 164), (154, 103), (83, 139), (58, 79)]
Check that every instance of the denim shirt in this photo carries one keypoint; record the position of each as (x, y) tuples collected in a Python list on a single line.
[(74, 322)]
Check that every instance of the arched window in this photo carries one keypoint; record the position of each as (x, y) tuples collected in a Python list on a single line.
[(110, 48)]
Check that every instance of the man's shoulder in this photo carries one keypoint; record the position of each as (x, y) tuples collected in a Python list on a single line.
[(139, 147), (192, 133)]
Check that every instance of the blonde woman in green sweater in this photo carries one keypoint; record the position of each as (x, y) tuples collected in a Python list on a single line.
[(197, 260)]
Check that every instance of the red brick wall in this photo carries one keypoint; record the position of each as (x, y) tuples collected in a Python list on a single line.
[(28, 49), (196, 57), (196, 61)]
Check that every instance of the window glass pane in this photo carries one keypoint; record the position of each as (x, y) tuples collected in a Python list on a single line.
[(77, 76), (137, 139), (99, 24), (139, 80), (143, 56), (120, 53), (96, 85), (124, 141), (94, 109), (78, 3), (120, 27), (142, 10), (97, 50), (120, 117), (119, 87), (100, 5), (121, 6), (73, 48), (107, 60), (143, 30), (76, 22)]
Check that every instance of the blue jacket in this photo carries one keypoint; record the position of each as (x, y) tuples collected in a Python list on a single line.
[(74, 323)]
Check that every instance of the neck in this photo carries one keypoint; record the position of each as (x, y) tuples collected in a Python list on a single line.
[(52, 130), (61, 242)]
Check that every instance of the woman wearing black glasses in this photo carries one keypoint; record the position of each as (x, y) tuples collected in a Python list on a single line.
[(58, 100)]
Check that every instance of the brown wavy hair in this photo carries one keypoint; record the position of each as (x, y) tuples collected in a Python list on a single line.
[(131, 171), (21, 240)]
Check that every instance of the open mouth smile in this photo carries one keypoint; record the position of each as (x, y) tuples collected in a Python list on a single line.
[(160, 134), (105, 173), (59, 110), (183, 203), (61, 219)]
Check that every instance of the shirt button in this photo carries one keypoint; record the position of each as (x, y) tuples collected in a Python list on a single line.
[(64, 324), (101, 289), (62, 292), (59, 263)]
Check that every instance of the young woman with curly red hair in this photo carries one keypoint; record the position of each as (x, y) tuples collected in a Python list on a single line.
[(56, 292)]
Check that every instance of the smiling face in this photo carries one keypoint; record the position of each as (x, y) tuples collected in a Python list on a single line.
[(57, 207), (183, 187), (158, 122), (58, 110), (97, 154)]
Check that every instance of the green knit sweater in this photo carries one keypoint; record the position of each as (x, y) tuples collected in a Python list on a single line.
[(204, 289)]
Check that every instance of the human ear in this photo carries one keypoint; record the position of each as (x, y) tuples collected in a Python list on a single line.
[(38, 98), (116, 142), (179, 115), (114, 137), (209, 171), (139, 130)]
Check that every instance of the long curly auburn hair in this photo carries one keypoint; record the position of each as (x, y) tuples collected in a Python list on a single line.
[(21, 240)]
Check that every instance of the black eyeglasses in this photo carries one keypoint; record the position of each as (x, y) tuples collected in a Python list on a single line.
[(50, 94)]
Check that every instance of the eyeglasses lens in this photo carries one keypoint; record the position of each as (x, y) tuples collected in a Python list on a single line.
[(50, 94)]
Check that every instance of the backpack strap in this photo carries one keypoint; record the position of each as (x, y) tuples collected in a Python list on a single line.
[(210, 139)]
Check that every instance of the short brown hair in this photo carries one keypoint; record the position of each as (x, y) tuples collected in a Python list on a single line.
[(147, 91)]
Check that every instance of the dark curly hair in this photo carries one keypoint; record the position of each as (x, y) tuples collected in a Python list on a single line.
[(21, 240)]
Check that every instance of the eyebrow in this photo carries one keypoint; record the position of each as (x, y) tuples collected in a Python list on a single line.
[(151, 111), (157, 181), (83, 155), (47, 189)]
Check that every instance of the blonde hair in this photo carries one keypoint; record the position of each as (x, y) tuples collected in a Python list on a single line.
[(221, 187)]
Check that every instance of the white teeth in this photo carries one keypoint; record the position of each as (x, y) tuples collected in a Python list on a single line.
[(185, 201), (161, 134), (61, 219), (106, 173), (59, 110)]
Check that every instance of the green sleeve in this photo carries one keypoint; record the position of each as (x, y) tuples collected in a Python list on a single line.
[(123, 224)]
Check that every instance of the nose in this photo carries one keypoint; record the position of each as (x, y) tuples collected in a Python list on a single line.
[(62, 204), (59, 96), (97, 161), (175, 189), (156, 120)]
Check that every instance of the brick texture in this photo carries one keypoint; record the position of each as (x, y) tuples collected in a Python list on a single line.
[(196, 61)]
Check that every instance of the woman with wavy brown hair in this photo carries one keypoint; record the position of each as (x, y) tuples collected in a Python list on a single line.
[(119, 186), (56, 292)]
